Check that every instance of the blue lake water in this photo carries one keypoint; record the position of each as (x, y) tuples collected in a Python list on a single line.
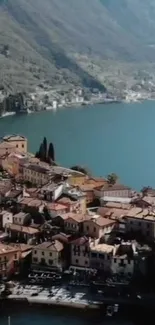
[(116, 138)]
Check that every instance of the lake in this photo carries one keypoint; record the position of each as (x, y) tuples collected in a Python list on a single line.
[(108, 138)]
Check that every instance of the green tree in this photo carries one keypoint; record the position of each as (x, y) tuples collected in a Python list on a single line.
[(112, 178), (51, 153), (41, 152), (45, 148)]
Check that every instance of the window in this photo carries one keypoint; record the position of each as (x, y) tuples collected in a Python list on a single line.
[(87, 228), (101, 256), (50, 254), (50, 262), (115, 260), (35, 259), (148, 225), (43, 253), (86, 262), (94, 229), (77, 261), (42, 261), (16, 145), (129, 261), (108, 257), (35, 252), (22, 145), (139, 223), (15, 256), (131, 222)]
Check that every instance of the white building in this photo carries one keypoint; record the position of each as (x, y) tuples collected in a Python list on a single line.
[(7, 217)]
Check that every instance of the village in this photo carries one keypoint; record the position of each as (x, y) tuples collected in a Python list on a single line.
[(59, 225)]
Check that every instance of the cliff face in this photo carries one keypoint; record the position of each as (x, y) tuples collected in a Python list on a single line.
[(42, 35)]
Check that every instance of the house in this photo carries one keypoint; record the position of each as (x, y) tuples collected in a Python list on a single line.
[(145, 202), (76, 178), (51, 192), (56, 209), (97, 226), (48, 255), (18, 141), (35, 174), (101, 256), (22, 219), (141, 221), (88, 188), (25, 257), (31, 205), (76, 194), (6, 217), (73, 222), (9, 261), (14, 194), (6, 149), (13, 163), (21, 233), (80, 253), (73, 205), (116, 190), (123, 259), (5, 186)]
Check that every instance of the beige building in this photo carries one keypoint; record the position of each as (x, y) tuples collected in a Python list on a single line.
[(80, 252), (141, 221), (73, 222), (5, 149), (9, 260), (17, 232), (97, 226), (48, 254), (101, 256), (22, 219), (123, 259), (18, 141), (36, 174), (116, 190)]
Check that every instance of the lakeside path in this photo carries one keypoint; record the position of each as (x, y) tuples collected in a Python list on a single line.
[(73, 298)]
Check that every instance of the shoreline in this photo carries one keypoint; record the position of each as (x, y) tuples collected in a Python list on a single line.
[(83, 104)]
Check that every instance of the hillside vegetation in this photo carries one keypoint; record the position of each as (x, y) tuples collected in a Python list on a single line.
[(44, 36)]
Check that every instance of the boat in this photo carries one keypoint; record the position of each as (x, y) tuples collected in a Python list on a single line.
[(110, 311), (116, 307), (9, 320)]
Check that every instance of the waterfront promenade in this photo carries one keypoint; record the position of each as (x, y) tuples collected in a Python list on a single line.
[(73, 297)]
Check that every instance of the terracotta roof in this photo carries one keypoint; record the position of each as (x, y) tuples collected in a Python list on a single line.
[(149, 199), (66, 200), (7, 249), (56, 206), (78, 217), (80, 241), (112, 213), (29, 201), (56, 245), (104, 248), (14, 137), (104, 222), (118, 205), (133, 212), (62, 237), (21, 247), (6, 145), (26, 230)]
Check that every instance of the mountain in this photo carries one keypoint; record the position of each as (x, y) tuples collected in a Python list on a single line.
[(38, 38)]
